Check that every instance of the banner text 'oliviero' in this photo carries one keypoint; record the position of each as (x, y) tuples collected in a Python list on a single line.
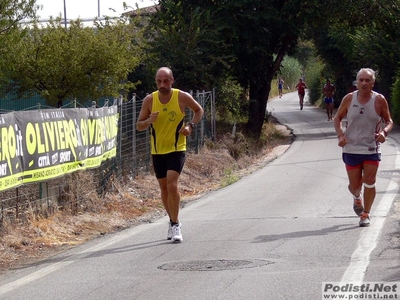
[(40, 145)]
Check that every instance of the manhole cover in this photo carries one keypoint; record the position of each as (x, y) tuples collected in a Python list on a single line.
[(213, 265), (393, 175)]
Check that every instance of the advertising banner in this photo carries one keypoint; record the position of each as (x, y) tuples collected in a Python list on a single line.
[(43, 144)]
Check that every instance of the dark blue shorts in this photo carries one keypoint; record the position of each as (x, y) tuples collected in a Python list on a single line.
[(328, 100), (171, 161), (354, 161)]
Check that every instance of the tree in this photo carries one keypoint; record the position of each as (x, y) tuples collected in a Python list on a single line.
[(188, 42), (12, 12), (75, 62), (360, 34), (254, 37)]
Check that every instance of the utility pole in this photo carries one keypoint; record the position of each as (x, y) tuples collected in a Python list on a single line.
[(65, 15)]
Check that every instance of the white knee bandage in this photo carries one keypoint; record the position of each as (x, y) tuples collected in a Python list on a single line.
[(369, 186)]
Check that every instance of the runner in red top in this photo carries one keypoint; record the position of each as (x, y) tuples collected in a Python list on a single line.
[(301, 86)]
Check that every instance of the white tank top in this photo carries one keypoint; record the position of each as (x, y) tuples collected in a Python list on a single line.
[(362, 124)]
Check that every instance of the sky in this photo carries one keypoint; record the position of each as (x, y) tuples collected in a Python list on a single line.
[(85, 9)]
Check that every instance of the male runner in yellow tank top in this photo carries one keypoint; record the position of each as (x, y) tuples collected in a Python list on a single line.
[(164, 111)]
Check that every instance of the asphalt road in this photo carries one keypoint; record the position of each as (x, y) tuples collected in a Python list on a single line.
[(278, 233)]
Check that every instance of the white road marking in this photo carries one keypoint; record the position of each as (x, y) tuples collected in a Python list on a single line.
[(34, 276), (360, 259), (59, 265)]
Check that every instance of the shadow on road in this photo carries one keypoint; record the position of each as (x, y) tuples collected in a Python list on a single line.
[(302, 234)]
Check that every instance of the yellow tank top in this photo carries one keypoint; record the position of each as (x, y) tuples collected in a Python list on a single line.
[(165, 137)]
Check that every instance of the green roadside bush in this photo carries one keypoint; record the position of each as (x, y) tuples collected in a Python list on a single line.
[(395, 101), (290, 72), (314, 81), (232, 105)]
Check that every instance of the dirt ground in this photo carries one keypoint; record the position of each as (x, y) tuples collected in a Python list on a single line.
[(132, 201)]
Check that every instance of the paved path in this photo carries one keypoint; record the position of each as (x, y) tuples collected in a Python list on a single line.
[(278, 233)]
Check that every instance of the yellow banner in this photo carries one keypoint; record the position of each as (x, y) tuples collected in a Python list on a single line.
[(40, 145)]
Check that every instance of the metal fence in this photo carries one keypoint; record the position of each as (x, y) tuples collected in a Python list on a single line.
[(133, 158)]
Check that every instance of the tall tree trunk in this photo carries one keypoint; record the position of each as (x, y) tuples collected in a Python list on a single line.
[(259, 92), (257, 106)]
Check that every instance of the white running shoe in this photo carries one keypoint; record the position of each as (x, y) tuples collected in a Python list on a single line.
[(169, 233), (176, 233)]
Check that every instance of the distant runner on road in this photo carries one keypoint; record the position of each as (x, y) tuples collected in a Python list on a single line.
[(328, 90), (301, 86)]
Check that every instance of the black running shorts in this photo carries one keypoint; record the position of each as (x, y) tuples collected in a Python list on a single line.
[(170, 161)]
